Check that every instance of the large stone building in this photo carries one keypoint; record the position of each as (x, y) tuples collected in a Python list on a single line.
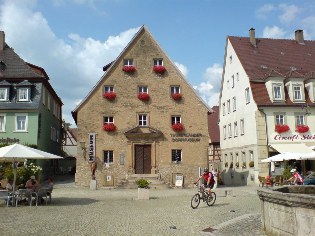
[(30, 109), (266, 103), (142, 118)]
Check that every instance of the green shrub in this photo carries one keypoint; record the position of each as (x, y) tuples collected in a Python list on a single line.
[(286, 172), (251, 164), (142, 183)]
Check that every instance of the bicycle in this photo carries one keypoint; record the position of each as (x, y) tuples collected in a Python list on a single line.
[(205, 196)]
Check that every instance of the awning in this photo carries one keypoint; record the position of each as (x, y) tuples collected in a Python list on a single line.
[(292, 147)]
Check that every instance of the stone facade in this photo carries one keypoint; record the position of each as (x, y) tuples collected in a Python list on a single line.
[(133, 142)]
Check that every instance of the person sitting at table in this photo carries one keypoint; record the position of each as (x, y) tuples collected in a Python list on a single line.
[(50, 186), (296, 179), (32, 184)]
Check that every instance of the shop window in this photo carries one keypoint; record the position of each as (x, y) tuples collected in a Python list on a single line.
[(176, 155), (108, 157)]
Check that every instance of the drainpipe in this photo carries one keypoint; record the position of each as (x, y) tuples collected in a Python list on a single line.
[(266, 127)]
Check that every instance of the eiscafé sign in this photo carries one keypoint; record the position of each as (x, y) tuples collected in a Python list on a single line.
[(294, 137)]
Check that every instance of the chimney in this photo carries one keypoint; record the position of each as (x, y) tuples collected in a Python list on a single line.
[(252, 38), (299, 36), (2, 41)]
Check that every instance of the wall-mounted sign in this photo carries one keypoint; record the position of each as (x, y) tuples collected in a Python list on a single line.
[(9, 140), (187, 137), (92, 147), (179, 181), (294, 137)]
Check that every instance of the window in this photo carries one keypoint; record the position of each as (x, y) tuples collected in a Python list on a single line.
[(2, 123), (176, 120), (228, 84), (280, 119), (277, 94), (297, 92), (237, 77), (242, 126), (247, 95), (251, 155), (108, 157), (228, 106), (142, 120), (244, 158), (3, 94), (142, 89), (299, 119), (237, 159), (128, 62), (231, 59), (176, 155), (223, 108), (108, 89), (158, 62), (235, 129), (175, 89), (234, 103), (233, 82), (230, 130), (108, 120), (23, 94), (21, 122), (224, 132), (231, 157)]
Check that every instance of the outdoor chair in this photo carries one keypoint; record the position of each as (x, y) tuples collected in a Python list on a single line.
[(278, 180), (7, 197), (42, 194), (25, 194), (262, 181)]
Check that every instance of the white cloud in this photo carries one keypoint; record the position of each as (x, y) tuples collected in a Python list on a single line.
[(273, 32), (74, 65), (263, 11), (308, 26), (210, 89), (182, 68), (289, 14)]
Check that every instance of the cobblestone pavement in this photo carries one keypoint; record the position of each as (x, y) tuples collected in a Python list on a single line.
[(81, 211)]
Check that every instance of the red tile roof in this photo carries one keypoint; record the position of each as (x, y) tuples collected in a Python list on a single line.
[(213, 127)]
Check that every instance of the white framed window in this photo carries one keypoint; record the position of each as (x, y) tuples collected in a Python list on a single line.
[(223, 108), (128, 62), (108, 157), (158, 62), (297, 92), (176, 155), (299, 119), (235, 129), (228, 106), (23, 94), (228, 84), (230, 130), (237, 77), (244, 158), (2, 122), (280, 119), (108, 120), (237, 157), (142, 119), (4, 94), (176, 120), (21, 122), (108, 88), (231, 59), (143, 89), (233, 82), (234, 103), (242, 126), (247, 95), (224, 131), (231, 157), (175, 89), (277, 91), (251, 155)]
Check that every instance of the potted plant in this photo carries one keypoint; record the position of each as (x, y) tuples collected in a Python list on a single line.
[(109, 127), (159, 69), (177, 96), (144, 96), (231, 165), (251, 164), (281, 128), (143, 189), (302, 128), (129, 69), (244, 164), (178, 127), (226, 164), (109, 95), (237, 164)]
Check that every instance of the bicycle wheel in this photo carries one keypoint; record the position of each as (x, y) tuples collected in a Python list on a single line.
[(195, 201), (211, 199)]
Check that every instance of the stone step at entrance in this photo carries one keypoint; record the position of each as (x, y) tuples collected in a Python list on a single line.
[(155, 182)]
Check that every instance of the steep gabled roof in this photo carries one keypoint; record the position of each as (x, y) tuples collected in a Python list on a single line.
[(213, 125)]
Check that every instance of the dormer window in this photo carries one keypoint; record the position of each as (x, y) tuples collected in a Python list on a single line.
[(297, 92), (23, 94), (4, 94), (277, 91)]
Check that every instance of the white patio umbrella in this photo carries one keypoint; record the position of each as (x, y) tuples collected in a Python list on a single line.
[(284, 156), (16, 152)]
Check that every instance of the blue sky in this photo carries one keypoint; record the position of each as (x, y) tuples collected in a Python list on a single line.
[(73, 39)]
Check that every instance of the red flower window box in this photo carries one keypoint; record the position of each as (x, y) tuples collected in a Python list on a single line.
[(178, 127), (129, 69), (109, 127), (177, 96), (109, 95), (282, 128), (159, 69), (144, 96), (302, 128)]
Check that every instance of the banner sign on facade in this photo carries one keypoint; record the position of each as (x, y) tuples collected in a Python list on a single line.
[(92, 147), (179, 181)]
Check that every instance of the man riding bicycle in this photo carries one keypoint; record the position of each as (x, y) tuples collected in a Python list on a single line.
[(208, 181)]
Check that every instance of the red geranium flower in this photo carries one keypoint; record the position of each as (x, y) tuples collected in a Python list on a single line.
[(302, 128), (144, 96), (109, 127), (178, 127), (109, 95), (281, 128), (177, 96), (129, 69), (159, 69)]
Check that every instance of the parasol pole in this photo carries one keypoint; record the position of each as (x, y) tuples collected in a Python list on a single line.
[(14, 174)]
